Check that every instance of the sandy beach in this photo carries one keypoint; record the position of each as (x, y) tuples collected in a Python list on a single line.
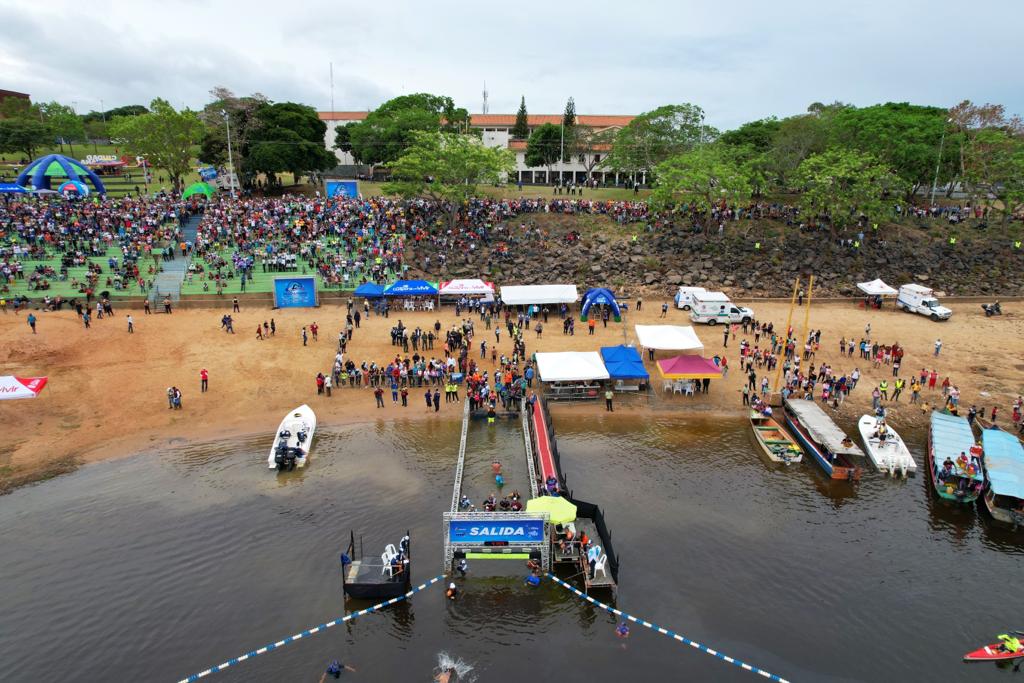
[(106, 393)]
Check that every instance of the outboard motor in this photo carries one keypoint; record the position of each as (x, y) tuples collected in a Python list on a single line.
[(281, 456), (992, 309)]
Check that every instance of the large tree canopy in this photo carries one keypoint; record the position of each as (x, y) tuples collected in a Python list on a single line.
[(701, 178), (388, 130), (241, 113), (447, 167), (840, 185), (903, 136), (657, 135), (286, 137), (544, 146), (165, 137)]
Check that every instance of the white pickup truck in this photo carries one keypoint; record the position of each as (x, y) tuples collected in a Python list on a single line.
[(920, 299), (715, 307)]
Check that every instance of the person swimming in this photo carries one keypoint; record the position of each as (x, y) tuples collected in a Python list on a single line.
[(622, 630), (499, 480)]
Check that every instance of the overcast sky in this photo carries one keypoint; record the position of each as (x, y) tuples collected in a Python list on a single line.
[(738, 60)]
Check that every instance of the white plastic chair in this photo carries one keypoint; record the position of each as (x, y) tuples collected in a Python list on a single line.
[(390, 550), (599, 566), (667, 385), (388, 569), (677, 388), (689, 388)]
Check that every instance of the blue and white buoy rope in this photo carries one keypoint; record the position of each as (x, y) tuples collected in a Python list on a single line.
[(308, 632), (671, 634)]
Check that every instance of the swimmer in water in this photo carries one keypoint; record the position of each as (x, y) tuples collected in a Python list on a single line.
[(444, 676), (622, 631)]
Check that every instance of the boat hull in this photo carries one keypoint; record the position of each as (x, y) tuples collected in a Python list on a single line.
[(841, 469), (300, 419), (776, 444), (992, 653), (892, 458)]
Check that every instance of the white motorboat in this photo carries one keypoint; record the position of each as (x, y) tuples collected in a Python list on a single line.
[(293, 440), (885, 447)]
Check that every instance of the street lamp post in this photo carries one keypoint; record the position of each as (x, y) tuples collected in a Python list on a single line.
[(231, 161), (938, 161)]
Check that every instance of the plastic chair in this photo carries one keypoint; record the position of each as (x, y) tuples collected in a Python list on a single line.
[(677, 388), (388, 569), (689, 389), (667, 385), (390, 550), (599, 566)]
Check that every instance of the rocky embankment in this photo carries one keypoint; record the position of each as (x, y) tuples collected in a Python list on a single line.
[(661, 261)]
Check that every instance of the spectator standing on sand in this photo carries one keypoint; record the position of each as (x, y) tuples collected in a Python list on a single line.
[(273, 327), (85, 319), (327, 385), (664, 310), (131, 324), (145, 307), (305, 336), (31, 320), (314, 328), (204, 380), (259, 331), (938, 346), (234, 305), (167, 304), (378, 394)]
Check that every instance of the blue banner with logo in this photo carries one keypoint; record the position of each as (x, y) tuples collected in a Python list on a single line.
[(342, 188), (208, 173), (295, 292), (513, 532)]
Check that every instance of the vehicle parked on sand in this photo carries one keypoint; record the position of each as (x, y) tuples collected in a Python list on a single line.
[(921, 300), (715, 307)]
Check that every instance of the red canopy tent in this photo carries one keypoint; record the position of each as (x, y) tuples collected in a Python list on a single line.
[(688, 367)]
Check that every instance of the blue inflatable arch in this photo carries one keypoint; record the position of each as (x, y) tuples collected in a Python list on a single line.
[(600, 295), (39, 172)]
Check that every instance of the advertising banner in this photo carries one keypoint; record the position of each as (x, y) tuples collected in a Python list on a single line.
[(341, 188), (21, 387), (478, 532), (295, 292)]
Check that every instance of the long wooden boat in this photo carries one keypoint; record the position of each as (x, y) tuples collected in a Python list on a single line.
[(1004, 476), (890, 455), (822, 439), (949, 437), (773, 439)]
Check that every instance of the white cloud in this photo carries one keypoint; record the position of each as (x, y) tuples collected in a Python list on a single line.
[(740, 60)]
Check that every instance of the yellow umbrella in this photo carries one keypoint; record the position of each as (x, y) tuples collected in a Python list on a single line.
[(560, 510)]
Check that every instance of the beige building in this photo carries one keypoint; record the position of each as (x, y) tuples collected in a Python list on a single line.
[(496, 131)]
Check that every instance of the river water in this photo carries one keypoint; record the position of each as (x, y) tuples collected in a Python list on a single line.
[(160, 565)]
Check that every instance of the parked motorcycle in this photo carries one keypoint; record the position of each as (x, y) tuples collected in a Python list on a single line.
[(992, 309)]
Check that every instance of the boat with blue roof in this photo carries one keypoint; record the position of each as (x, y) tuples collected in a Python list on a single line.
[(954, 460), (1004, 476)]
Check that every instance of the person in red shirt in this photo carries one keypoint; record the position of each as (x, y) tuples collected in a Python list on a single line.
[(204, 380), (932, 376)]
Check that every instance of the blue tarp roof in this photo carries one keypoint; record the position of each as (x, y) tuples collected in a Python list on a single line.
[(370, 290), (1004, 462), (624, 362), (951, 435), (410, 288), (13, 188)]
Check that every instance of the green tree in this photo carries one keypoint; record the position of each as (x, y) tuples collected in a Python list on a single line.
[(982, 134), (164, 136), (65, 125), (544, 147), (569, 131), (286, 137), (447, 167), (840, 185), (129, 110), (24, 135), (343, 138), (701, 177), (758, 135), (654, 136), (521, 129), (902, 136), (592, 146), (388, 129), (240, 113)]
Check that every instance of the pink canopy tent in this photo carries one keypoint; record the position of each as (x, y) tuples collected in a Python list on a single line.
[(688, 367), (20, 387)]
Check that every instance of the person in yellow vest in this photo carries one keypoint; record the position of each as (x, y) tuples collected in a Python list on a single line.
[(883, 388), (898, 388), (1009, 643)]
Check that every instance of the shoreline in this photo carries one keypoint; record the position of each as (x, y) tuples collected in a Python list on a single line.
[(106, 393)]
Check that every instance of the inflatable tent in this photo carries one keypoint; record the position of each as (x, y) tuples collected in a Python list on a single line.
[(198, 188), (39, 172), (600, 295)]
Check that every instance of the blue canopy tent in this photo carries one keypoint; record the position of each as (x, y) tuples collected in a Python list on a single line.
[(600, 295), (411, 288), (39, 172), (12, 188), (624, 362), (370, 290)]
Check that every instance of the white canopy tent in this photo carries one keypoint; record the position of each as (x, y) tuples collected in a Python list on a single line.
[(669, 338), (876, 288), (516, 295), (470, 286), (571, 366)]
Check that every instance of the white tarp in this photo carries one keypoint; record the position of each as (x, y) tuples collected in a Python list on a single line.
[(668, 337), (876, 288), (21, 387), (472, 286), (571, 366), (515, 295)]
